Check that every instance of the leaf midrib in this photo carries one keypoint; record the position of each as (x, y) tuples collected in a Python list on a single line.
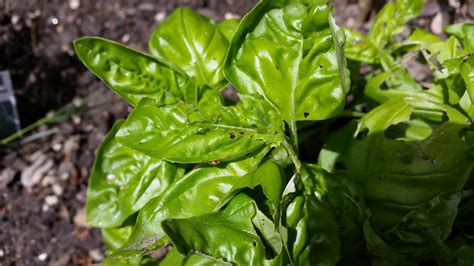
[(199, 63)]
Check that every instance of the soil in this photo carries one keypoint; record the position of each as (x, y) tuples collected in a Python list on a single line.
[(43, 179)]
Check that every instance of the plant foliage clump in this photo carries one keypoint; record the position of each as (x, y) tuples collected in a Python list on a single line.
[(224, 181)]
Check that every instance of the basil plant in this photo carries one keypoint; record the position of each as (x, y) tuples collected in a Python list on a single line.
[(193, 178)]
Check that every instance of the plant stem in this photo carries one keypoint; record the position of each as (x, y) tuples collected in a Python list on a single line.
[(293, 156), (294, 136), (27, 129), (58, 115), (38, 135)]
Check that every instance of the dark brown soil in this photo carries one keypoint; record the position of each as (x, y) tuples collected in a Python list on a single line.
[(43, 180)]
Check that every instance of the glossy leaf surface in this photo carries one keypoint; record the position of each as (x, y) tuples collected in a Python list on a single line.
[(199, 192), (114, 238), (393, 186), (228, 28), (290, 52), (131, 74), (311, 241), (123, 181), (194, 43), (207, 132), (228, 234)]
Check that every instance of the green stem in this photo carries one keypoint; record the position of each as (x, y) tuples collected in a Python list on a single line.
[(293, 156), (294, 136), (67, 111), (27, 129)]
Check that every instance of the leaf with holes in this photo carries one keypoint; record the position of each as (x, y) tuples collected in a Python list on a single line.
[(405, 153), (131, 74), (187, 133), (290, 53)]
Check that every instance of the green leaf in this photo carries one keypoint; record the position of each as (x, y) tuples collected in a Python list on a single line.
[(114, 238), (418, 233), (377, 46), (131, 74), (334, 149), (174, 258), (465, 256), (123, 181), (208, 132), (228, 27), (391, 20), (398, 83), (360, 48), (467, 105), (271, 178), (199, 192), (322, 224), (339, 192), (406, 152), (311, 232), (463, 31), (420, 39), (194, 43), (134, 261), (290, 52), (467, 73), (270, 236), (445, 56), (228, 234), (380, 250)]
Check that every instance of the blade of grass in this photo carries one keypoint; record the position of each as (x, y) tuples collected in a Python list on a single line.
[(59, 115)]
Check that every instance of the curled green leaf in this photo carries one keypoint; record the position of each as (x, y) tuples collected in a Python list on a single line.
[(345, 198), (310, 241), (194, 43), (228, 234), (131, 74)]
